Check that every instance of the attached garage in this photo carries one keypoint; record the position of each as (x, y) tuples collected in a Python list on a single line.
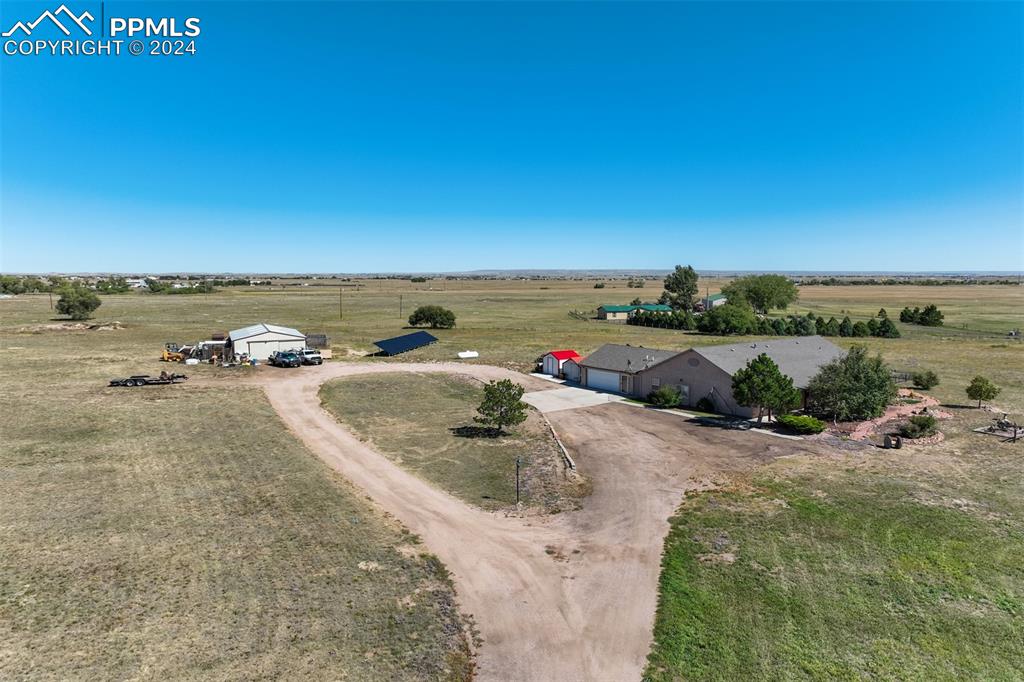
[(614, 367), (603, 380), (261, 340), (571, 370)]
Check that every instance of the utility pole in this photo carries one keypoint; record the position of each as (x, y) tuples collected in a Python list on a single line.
[(401, 313), (341, 304), (518, 464)]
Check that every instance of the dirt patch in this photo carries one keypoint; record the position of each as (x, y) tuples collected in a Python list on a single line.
[(69, 327)]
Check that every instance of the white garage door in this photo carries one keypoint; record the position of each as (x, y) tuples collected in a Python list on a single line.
[(261, 350), (602, 380)]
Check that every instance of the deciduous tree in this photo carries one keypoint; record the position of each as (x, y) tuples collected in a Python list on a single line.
[(77, 302), (854, 387), (763, 292), (981, 389), (680, 288), (434, 315)]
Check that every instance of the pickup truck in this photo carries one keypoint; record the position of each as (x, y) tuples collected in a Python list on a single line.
[(285, 358), (310, 356)]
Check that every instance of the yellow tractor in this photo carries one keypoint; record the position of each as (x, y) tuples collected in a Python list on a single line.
[(172, 353)]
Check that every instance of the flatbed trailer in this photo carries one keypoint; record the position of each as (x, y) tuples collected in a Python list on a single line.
[(147, 380)]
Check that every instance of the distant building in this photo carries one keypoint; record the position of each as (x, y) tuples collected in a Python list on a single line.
[(621, 313), (713, 301)]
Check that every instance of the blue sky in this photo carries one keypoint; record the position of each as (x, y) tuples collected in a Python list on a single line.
[(337, 137)]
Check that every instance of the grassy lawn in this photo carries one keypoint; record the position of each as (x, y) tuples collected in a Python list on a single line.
[(411, 417), (182, 533), (866, 572)]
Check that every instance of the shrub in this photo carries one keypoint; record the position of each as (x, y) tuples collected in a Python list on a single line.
[(77, 302), (599, 285), (730, 318), (801, 423), (931, 316), (434, 315), (418, 280), (846, 327), (852, 388), (705, 405), (860, 329), (887, 329), (925, 379), (665, 396), (919, 426)]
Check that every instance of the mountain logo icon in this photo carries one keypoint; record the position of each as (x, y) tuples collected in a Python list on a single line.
[(78, 20)]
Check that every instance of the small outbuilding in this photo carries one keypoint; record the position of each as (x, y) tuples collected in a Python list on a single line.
[(571, 370), (260, 340), (553, 362)]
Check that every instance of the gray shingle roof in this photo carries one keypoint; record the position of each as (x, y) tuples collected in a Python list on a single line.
[(799, 358), (262, 328), (616, 358)]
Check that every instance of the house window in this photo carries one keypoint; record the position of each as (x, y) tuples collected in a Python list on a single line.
[(655, 382)]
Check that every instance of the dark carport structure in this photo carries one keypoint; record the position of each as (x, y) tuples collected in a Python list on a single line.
[(406, 342)]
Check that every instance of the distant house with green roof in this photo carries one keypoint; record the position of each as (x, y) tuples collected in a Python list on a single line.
[(621, 313)]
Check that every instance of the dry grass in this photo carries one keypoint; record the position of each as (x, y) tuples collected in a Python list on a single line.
[(182, 533), (413, 419)]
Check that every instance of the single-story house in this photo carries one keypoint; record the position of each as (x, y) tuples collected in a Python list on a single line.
[(614, 367), (624, 312), (614, 312), (551, 363), (260, 340), (571, 370), (704, 372)]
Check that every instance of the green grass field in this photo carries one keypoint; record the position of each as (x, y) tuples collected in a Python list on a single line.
[(411, 418), (186, 533)]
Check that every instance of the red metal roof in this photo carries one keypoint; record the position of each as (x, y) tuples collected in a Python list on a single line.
[(564, 354)]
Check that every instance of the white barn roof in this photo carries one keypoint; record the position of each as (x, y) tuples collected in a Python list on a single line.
[(263, 328)]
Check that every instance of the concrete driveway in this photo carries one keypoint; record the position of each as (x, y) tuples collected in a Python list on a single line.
[(568, 398)]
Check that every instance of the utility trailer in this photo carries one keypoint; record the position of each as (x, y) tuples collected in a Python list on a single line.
[(147, 380)]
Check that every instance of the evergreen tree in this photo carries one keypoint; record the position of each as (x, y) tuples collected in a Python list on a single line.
[(762, 385), (501, 406)]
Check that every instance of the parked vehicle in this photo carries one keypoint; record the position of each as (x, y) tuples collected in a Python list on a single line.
[(285, 358), (310, 356), (147, 380)]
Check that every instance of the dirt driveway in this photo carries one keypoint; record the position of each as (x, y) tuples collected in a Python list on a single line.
[(567, 597)]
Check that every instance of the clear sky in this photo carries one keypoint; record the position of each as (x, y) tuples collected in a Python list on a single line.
[(336, 137)]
